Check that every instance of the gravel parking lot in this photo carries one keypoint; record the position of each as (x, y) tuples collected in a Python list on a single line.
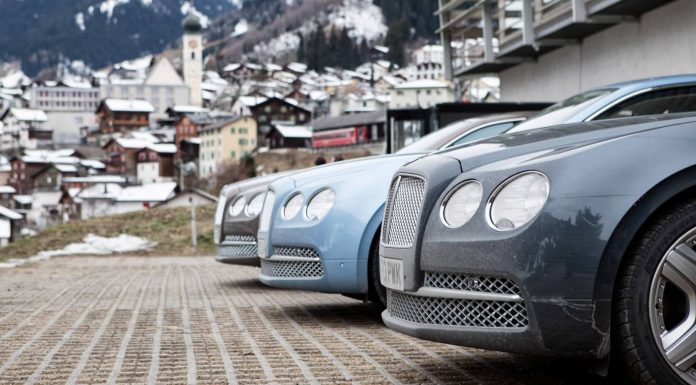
[(191, 320)]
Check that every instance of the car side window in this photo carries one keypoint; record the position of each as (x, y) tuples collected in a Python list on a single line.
[(664, 101), (483, 133)]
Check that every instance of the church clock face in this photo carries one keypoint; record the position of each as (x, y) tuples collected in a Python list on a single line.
[(193, 43)]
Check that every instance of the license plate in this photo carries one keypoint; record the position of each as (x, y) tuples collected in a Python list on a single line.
[(391, 273), (262, 247)]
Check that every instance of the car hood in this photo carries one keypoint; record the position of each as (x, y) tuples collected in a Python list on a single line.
[(558, 138), (329, 173)]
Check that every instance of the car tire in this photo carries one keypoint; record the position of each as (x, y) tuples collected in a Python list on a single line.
[(377, 292), (647, 307)]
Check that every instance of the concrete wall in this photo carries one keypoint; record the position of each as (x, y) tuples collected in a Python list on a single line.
[(660, 43), (66, 125)]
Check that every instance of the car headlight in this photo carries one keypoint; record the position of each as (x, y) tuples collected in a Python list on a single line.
[(518, 200), (255, 205), (320, 204), (237, 206), (293, 206), (461, 204)]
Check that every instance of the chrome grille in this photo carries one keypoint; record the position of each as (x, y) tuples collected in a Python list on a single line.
[(240, 238), (302, 252), (402, 211), (238, 245), (470, 282), (456, 312), (292, 269)]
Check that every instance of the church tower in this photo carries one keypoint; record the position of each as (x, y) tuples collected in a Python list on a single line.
[(192, 60)]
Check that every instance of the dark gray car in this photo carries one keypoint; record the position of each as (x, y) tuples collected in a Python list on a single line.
[(571, 240)]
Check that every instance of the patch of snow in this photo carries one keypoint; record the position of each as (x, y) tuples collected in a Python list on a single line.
[(278, 46), (92, 245), (240, 28), (80, 21), (363, 19), (107, 6)]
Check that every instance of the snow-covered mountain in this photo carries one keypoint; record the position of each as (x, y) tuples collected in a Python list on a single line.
[(42, 32)]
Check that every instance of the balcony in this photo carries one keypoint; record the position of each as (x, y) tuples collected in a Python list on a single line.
[(488, 36)]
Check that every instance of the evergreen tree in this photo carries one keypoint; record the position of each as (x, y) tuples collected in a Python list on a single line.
[(302, 50), (397, 35)]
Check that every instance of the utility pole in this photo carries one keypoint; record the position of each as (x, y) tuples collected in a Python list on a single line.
[(194, 236)]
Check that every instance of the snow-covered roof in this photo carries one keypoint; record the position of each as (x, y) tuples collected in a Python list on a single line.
[(422, 83), (92, 163), (297, 67), (289, 131), (146, 136), (132, 143), (10, 214), (153, 192), (7, 190), (100, 191), (77, 83), (130, 105), (251, 101), (65, 168), (95, 179), (183, 109), (163, 148), (28, 115), (231, 67), (23, 199)]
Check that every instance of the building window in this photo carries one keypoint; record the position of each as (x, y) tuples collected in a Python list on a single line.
[(233, 154), (243, 141), (243, 130), (193, 56), (232, 130)]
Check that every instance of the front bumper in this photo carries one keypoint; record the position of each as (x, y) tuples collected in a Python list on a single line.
[(238, 249), (302, 268), (564, 330)]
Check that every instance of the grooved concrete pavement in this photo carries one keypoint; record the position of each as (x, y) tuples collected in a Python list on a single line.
[(145, 320)]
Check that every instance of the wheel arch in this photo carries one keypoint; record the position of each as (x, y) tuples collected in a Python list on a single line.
[(370, 235), (670, 191)]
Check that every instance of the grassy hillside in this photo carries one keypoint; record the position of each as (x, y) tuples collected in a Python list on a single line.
[(170, 228)]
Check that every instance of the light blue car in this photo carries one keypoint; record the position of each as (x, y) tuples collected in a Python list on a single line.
[(319, 229), (323, 223)]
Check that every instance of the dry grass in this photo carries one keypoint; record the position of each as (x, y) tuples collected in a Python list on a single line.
[(170, 228)]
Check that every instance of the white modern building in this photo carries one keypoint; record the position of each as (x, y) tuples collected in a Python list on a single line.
[(428, 61), (546, 50), (423, 93), (69, 106)]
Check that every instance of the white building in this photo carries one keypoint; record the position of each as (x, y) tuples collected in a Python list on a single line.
[(547, 51), (8, 218), (192, 59), (428, 62), (136, 198), (151, 162), (69, 106), (23, 128), (422, 93), (163, 88)]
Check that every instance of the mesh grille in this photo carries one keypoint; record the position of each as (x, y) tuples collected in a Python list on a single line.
[(238, 245), (479, 283), (291, 269), (402, 212), (456, 312), (240, 238), (295, 252)]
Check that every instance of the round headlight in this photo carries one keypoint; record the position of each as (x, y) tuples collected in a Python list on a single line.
[(237, 207), (293, 206), (255, 205), (518, 200), (461, 204), (320, 204)]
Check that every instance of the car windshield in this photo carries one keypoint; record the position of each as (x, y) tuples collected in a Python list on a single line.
[(437, 139), (561, 112)]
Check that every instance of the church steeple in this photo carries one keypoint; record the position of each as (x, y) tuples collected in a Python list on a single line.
[(192, 56)]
